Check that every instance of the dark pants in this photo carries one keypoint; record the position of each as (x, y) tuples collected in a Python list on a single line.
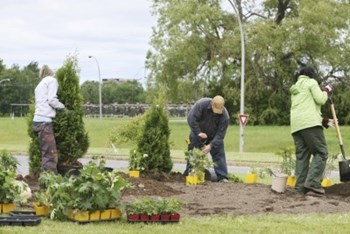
[(218, 155), (47, 146), (310, 141)]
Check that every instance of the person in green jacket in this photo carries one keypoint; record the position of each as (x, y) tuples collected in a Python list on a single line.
[(306, 128)]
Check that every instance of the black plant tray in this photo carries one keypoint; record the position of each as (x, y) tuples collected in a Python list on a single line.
[(23, 213), (19, 221)]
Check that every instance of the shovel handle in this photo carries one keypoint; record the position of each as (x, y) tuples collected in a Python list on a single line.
[(337, 127)]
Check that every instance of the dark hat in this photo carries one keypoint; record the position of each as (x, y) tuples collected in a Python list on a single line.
[(308, 71)]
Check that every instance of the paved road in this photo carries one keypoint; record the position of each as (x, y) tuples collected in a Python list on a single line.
[(23, 168)]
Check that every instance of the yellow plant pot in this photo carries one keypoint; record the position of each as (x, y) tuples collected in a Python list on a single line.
[(78, 215), (251, 178), (201, 177), (94, 215), (134, 173), (116, 213), (326, 182), (6, 207), (41, 210), (291, 181), (87, 216), (192, 180), (106, 214)]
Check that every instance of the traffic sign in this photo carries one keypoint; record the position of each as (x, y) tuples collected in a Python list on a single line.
[(243, 119)]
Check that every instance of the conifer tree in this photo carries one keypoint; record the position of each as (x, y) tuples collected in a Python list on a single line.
[(70, 134), (154, 141)]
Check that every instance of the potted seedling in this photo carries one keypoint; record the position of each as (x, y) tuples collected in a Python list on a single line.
[(135, 158), (199, 162), (330, 166), (171, 207), (139, 210), (11, 190), (88, 197), (153, 210), (133, 210), (252, 176), (287, 165), (41, 204)]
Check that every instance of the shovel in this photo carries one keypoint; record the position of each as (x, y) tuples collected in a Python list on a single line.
[(344, 165)]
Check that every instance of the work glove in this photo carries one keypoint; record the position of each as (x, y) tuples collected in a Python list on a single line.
[(327, 89), (328, 123)]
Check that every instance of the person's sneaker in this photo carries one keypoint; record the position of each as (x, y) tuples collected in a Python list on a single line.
[(223, 180), (315, 190)]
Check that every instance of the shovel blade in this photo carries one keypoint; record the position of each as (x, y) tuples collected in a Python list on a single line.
[(344, 170)]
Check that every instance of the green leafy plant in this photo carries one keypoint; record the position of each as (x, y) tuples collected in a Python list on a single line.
[(233, 178), (136, 207), (154, 206), (11, 190), (135, 159), (198, 161), (8, 161), (287, 165), (42, 198), (94, 189), (171, 206), (131, 131)]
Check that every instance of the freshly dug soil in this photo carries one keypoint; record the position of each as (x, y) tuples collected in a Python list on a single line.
[(217, 198)]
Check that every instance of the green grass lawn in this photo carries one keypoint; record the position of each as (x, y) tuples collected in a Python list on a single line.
[(260, 142), (261, 223)]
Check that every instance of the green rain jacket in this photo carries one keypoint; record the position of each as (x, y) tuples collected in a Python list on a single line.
[(307, 99)]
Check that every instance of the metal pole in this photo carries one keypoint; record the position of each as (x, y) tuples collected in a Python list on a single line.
[(99, 86), (241, 128)]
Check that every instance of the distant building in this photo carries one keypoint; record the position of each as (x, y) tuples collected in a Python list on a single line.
[(115, 80)]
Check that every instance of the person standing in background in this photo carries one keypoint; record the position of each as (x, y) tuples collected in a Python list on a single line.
[(46, 104), (208, 120), (307, 132)]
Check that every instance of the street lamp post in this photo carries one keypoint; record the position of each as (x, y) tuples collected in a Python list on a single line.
[(100, 85), (241, 129)]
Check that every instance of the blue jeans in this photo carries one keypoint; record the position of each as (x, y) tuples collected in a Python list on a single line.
[(218, 155)]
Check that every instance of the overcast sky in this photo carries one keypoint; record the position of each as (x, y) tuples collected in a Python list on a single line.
[(116, 33)]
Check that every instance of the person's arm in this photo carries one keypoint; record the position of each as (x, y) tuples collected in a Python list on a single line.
[(194, 117), (319, 96), (52, 95), (220, 133)]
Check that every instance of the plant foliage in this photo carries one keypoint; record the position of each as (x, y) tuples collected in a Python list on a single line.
[(94, 189), (154, 141), (70, 134), (198, 161), (287, 165), (154, 206)]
